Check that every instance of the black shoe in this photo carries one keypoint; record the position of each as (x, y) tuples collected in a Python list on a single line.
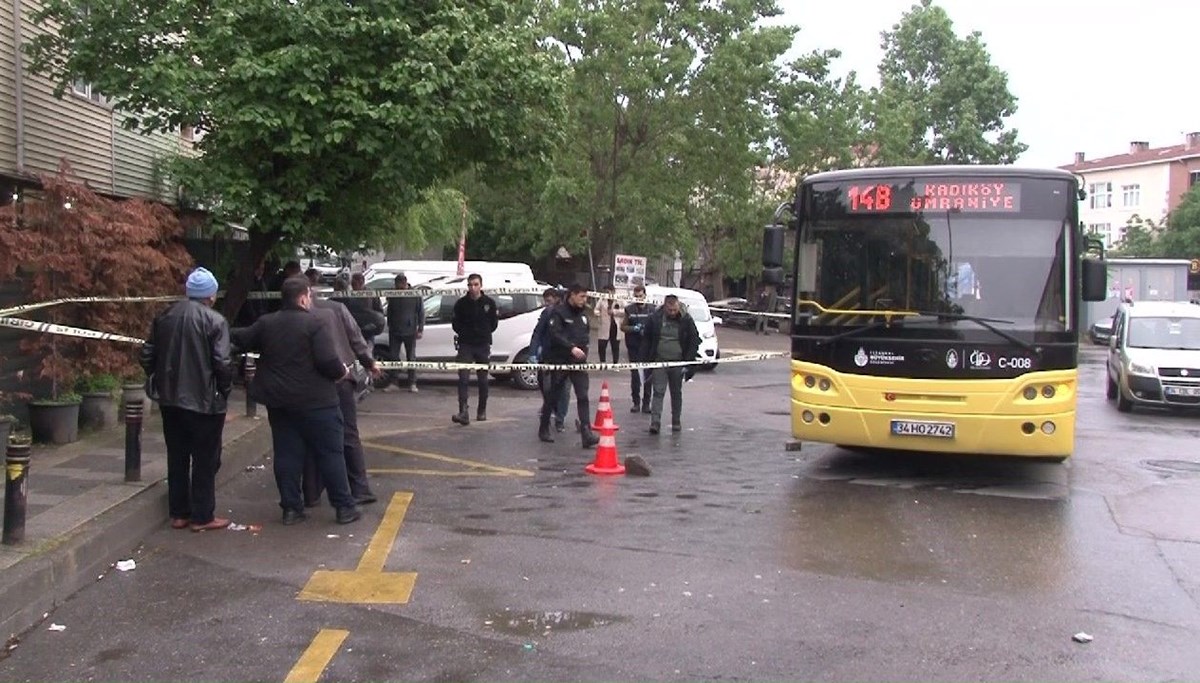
[(291, 517), (635, 408), (481, 415), (588, 438), (348, 514), (560, 427), (461, 418), (654, 427), (365, 498), (646, 408), (676, 427), (544, 434)]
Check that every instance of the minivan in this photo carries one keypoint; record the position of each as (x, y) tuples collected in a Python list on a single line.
[(1154, 355)]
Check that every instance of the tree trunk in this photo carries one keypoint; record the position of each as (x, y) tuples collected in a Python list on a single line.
[(243, 274)]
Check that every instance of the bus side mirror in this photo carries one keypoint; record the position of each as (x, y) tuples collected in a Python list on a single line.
[(772, 255), (1095, 279)]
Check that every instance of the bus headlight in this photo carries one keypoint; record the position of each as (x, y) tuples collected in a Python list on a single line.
[(1048, 391), (1030, 393), (809, 381), (825, 384), (1047, 428)]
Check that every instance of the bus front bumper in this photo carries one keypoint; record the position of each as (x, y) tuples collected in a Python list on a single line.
[(1045, 435)]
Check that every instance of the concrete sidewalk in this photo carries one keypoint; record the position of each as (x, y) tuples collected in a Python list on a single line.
[(81, 515)]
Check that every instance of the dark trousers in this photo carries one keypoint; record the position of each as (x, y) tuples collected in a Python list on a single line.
[(473, 353), (193, 458), (409, 344), (563, 401), (352, 450), (294, 433), (664, 379), (616, 347), (558, 392)]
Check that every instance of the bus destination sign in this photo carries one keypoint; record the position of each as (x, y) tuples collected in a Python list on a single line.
[(968, 196)]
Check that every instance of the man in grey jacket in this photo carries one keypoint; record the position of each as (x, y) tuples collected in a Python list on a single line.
[(351, 346), (406, 324), (187, 360)]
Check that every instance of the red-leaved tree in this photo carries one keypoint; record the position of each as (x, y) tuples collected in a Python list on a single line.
[(67, 241)]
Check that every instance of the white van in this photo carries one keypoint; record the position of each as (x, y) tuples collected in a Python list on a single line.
[(696, 306), (494, 273), (1154, 355), (519, 313)]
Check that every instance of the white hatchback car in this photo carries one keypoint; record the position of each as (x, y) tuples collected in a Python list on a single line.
[(510, 342)]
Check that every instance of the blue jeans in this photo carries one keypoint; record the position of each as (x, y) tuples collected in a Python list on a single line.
[(320, 433)]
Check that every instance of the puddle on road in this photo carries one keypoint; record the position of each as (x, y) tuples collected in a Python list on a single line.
[(539, 623), (473, 531), (1173, 466)]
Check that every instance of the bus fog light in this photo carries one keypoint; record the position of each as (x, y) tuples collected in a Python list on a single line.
[(1047, 427), (1028, 427), (825, 384), (807, 416), (809, 381), (1030, 393), (823, 418), (1048, 392)]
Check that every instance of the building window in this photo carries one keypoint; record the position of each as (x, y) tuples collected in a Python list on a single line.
[(87, 91), (1131, 195), (1100, 195), (1193, 178), (1103, 231)]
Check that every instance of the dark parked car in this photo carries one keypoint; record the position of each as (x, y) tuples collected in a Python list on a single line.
[(1101, 331), (733, 312)]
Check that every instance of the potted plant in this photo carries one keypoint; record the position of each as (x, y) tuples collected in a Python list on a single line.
[(98, 408)]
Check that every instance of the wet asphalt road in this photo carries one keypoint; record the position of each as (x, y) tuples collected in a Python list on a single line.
[(735, 560)]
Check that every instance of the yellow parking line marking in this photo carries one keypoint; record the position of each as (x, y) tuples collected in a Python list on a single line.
[(368, 583), (318, 655), (482, 467)]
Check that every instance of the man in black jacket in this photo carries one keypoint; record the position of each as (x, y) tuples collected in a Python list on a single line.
[(297, 368), (351, 346), (186, 358), (406, 324), (637, 314), (568, 336), (671, 335), (475, 319)]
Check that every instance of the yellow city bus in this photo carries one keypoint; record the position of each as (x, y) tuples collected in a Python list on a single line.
[(937, 308)]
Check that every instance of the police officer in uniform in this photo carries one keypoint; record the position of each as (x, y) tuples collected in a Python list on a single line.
[(568, 336)]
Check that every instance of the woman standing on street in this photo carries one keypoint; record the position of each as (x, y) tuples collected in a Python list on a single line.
[(609, 314)]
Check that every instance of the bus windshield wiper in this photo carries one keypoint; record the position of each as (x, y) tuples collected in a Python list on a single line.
[(988, 324), (892, 318)]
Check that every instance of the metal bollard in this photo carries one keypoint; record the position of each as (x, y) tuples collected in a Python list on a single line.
[(251, 406), (16, 470), (133, 439)]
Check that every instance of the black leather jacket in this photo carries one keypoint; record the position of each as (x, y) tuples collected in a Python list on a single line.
[(187, 360)]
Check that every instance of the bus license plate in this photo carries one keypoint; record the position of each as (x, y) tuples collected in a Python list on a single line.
[(940, 430)]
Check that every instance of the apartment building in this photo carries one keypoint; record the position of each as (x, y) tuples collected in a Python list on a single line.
[(1146, 181), (38, 130)]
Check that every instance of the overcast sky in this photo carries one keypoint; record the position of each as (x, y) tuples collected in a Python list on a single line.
[(1090, 75)]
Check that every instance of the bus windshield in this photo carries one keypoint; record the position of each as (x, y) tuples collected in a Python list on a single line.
[(1006, 266)]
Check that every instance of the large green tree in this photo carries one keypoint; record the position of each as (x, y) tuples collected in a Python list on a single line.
[(669, 108), (320, 120), (940, 99), (1181, 239)]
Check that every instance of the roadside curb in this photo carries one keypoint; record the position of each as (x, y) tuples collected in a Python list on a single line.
[(61, 566)]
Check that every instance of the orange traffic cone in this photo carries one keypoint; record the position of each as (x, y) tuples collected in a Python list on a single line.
[(604, 410), (606, 451)]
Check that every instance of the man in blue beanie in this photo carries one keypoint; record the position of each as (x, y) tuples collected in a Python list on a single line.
[(187, 361)]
